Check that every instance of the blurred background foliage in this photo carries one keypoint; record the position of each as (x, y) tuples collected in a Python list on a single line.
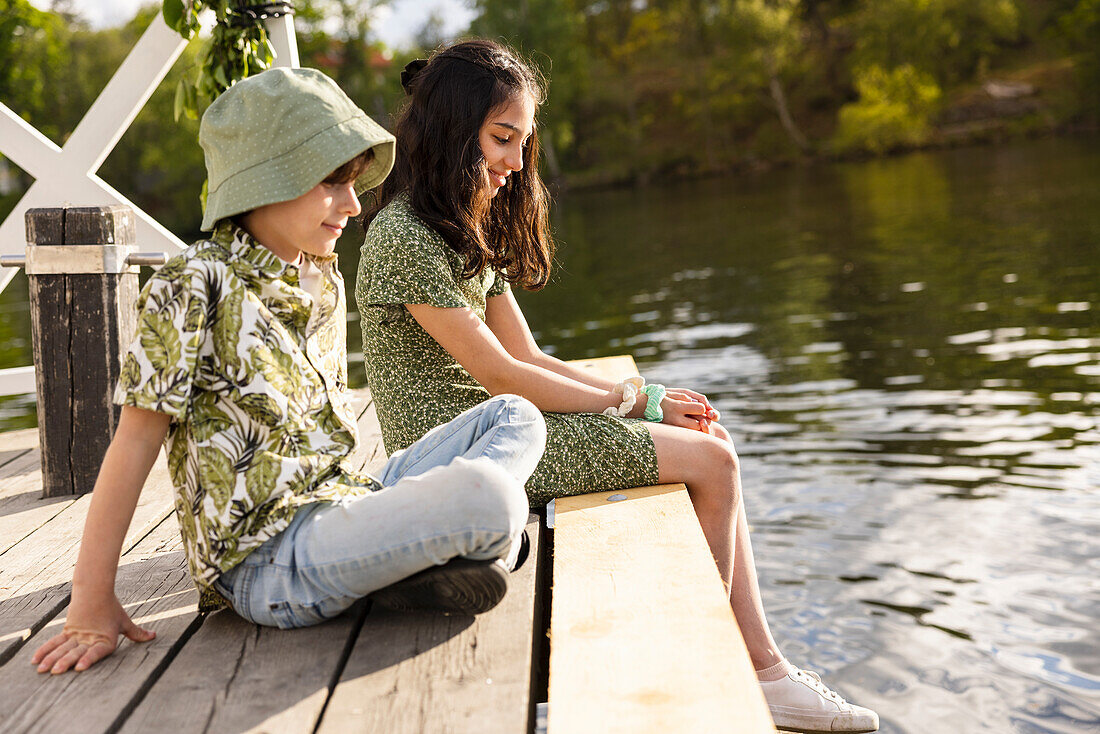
[(639, 89)]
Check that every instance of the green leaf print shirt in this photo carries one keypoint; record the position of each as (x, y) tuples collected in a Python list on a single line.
[(253, 374)]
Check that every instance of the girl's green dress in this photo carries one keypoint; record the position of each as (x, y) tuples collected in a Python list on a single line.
[(417, 385)]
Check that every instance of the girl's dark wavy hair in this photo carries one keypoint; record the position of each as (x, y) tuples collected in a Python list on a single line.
[(440, 164)]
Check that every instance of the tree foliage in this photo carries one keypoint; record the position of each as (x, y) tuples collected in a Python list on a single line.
[(893, 110), (638, 89), (950, 39), (238, 47), (33, 55), (1080, 31)]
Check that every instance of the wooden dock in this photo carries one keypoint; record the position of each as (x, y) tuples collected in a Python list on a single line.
[(370, 670)]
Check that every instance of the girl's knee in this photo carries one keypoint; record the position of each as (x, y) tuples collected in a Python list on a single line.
[(724, 469), (719, 431), (718, 458)]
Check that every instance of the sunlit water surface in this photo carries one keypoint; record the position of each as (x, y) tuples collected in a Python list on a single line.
[(907, 353)]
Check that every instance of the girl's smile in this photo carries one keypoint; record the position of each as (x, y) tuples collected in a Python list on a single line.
[(503, 138)]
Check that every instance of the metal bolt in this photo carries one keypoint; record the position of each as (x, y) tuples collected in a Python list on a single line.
[(148, 259)]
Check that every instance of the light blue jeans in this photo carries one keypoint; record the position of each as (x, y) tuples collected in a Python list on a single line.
[(458, 491)]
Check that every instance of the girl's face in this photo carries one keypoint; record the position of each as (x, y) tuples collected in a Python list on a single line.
[(503, 137)]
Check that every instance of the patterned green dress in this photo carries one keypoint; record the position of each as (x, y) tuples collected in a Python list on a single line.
[(418, 385)]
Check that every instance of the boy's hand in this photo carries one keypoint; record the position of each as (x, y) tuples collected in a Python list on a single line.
[(90, 634)]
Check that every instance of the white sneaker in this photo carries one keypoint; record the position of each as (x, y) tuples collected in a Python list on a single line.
[(801, 702)]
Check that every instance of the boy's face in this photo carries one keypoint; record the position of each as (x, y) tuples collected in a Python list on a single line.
[(311, 223)]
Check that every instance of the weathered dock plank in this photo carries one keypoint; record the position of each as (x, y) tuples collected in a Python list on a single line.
[(412, 673), (156, 590), (235, 676), (36, 573), (22, 507), (14, 444)]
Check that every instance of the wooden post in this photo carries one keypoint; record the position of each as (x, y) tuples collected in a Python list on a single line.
[(82, 295)]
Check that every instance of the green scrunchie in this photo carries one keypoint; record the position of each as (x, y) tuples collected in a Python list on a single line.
[(653, 411)]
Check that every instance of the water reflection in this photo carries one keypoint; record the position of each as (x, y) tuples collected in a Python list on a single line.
[(908, 354)]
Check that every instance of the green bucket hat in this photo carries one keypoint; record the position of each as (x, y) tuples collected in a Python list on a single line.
[(274, 136)]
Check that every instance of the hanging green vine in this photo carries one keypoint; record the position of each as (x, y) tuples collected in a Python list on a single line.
[(238, 46)]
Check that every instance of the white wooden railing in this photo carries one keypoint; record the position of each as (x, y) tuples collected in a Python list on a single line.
[(67, 175)]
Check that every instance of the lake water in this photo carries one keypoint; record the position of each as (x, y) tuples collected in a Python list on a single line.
[(907, 353)]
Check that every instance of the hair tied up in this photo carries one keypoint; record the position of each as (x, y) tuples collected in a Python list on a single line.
[(410, 72)]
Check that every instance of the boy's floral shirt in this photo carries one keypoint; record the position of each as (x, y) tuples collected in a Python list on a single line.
[(254, 377)]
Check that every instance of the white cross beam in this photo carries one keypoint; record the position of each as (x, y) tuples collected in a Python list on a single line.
[(68, 175)]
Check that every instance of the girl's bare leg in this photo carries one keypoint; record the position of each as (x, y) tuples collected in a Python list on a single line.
[(708, 465)]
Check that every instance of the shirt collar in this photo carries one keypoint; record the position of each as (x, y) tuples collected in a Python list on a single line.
[(245, 248)]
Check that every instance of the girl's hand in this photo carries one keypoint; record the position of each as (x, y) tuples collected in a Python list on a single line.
[(90, 634), (695, 407), (710, 413), (683, 410)]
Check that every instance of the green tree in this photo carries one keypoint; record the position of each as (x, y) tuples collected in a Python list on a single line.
[(33, 53), (1080, 29), (951, 39), (893, 110), (337, 37), (772, 36)]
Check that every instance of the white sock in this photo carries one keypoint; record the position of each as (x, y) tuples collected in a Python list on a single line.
[(775, 672)]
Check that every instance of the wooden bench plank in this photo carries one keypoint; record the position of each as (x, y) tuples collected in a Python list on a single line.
[(360, 401), (434, 673), (154, 586), (642, 635), (370, 439), (36, 573)]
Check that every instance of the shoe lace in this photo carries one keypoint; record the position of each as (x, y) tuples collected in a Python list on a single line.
[(813, 680)]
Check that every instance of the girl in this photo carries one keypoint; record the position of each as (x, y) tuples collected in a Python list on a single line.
[(463, 216)]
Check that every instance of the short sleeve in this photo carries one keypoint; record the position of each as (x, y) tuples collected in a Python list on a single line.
[(405, 261), (158, 371), (499, 287)]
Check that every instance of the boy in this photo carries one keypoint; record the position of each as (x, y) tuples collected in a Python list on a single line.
[(240, 362)]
